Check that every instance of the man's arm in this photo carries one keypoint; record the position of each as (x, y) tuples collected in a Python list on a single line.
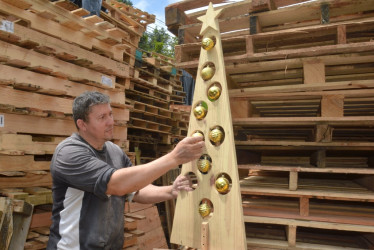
[(155, 194), (128, 180)]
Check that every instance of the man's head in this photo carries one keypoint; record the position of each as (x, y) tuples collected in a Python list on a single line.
[(82, 105), (93, 117)]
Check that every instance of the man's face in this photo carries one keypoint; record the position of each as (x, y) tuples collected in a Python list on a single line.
[(100, 123)]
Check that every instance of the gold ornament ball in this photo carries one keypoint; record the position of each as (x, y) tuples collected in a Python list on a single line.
[(222, 184), (197, 133), (214, 93), (203, 165), (216, 135), (199, 112), (207, 43), (207, 73), (204, 210)]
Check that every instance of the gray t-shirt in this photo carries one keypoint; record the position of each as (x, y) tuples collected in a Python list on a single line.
[(83, 216)]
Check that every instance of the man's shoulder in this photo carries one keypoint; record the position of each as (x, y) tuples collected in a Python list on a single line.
[(72, 141), (112, 146)]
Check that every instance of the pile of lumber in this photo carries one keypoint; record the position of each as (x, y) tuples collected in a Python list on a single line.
[(301, 95), (50, 53), (152, 91), (143, 228)]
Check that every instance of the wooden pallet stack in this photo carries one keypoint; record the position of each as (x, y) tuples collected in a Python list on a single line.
[(301, 101), (150, 94), (51, 52), (143, 227)]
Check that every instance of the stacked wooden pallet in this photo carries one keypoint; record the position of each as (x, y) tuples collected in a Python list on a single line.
[(303, 119), (50, 53), (131, 23), (150, 94), (144, 229)]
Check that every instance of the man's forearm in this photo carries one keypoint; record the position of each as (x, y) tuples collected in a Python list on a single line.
[(154, 194), (128, 180)]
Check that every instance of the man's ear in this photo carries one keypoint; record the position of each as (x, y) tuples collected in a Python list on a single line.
[(81, 124)]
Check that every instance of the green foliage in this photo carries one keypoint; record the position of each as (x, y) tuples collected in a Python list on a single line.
[(128, 2), (158, 41)]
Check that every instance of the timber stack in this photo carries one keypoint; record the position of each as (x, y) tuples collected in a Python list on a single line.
[(302, 92), (151, 92), (51, 52), (157, 122)]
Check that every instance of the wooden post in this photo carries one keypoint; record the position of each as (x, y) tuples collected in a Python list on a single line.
[(249, 46), (293, 181), (240, 108), (205, 235), (304, 206), (291, 235), (323, 133), (22, 215), (6, 222), (263, 5), (246, 157), (341, 36), (318, 159), (254, 26), (314, 71), (332, 106)]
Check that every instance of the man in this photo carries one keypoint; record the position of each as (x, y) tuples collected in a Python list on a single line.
[(92, 177), (93, 6)]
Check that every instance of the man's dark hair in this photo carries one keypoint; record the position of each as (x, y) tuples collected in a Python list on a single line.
[(83, 103)]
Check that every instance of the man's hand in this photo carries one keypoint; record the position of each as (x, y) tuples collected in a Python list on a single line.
[(181, 183), (190, 148)]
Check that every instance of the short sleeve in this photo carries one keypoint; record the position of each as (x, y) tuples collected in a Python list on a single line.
[(78, 167)]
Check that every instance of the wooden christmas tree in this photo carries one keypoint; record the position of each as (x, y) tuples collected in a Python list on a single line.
[(211, 216)]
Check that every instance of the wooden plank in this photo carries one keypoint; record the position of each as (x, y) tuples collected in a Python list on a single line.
[(348, 170), (151, 239), (41, 220), (302, 121), (285, 17), (311, 89), (57, 30), (332, 106), (314, 72), (52, 85), (29, 180), (259, 243), (191, 4), (21, 222), (48, 103), (6, 222), (61, 48), (307, 144), (304, 206), (341, 35), (22, 163), (323, 133), (14, 142), (293, 180), (283, 191), (240, 108), (63, 15), (134, 207), (311, 224), (48, 126), (291, 235), (318, 158), (152, 220), (317, 50), (36, 59)]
